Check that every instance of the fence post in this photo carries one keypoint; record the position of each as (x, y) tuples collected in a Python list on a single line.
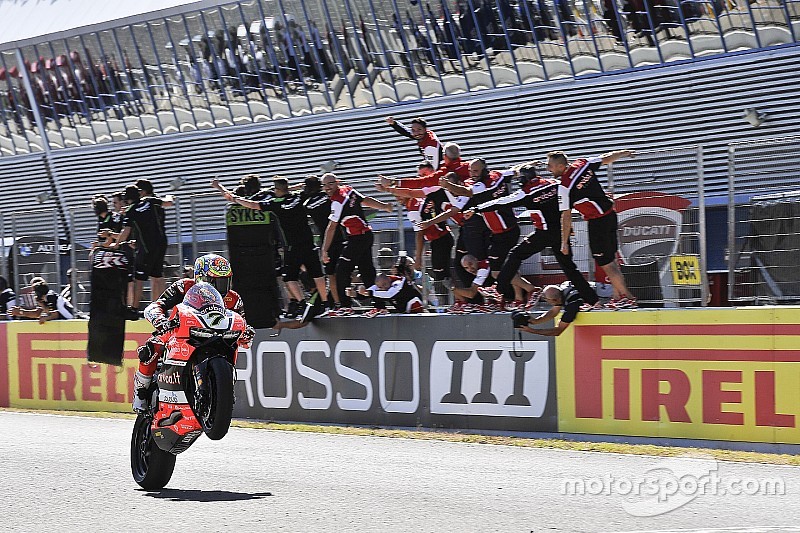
[(401, 237), (731, 219), (73, 261), (57, 266), (701, 222), (194, 230), (610, 178), (3, 264), (14, 250), (179, 233)]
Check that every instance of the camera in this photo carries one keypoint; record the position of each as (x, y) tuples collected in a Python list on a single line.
[(519, 318)]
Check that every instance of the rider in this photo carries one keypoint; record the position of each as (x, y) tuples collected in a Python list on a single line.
[(209, 268)]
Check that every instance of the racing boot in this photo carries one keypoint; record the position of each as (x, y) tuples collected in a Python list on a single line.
[(140, 385)]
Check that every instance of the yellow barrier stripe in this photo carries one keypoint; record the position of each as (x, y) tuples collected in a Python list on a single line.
[(72, 345), (706, 342)]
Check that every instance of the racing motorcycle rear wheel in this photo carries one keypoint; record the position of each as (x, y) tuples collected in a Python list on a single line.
[(216, 413), (151, 466)]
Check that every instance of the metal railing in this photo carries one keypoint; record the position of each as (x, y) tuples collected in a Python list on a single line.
[(763, 222), (662, 234)]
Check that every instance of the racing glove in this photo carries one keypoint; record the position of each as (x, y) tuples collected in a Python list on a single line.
[(247, 336)]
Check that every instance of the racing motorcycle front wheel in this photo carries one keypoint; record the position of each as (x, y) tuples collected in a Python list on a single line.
[(217, 406), (151, 466)]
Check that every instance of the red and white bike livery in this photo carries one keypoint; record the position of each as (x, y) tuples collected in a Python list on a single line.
[(192, 390)]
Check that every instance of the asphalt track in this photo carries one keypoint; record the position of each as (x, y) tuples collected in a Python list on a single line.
[(67, 473)]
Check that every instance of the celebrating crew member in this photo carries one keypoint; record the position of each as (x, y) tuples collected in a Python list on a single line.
[(145, 218), (299, 250), (398, 291), (423, 205), (540, 197), (580, 189), (480, 270), (427, 141), (7, 298), (452, 164), (501, 221), (318, 205), (347, 210)]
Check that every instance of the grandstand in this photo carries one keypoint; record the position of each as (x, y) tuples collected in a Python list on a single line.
[(197, 89)]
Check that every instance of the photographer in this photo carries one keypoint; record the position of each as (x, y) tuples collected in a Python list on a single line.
[(567, 299)]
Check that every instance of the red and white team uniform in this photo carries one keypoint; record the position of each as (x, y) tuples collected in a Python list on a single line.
[(347, 211), (580, 189)]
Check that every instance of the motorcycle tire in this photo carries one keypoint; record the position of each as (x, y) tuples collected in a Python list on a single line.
[(151, 466), (218, 419)]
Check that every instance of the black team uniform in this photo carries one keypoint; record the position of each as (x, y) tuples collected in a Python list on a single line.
[(402, 294), (146, 218), (501, 221), (438, 235), (112, 270), (112, 222), (299, 249), (580, 189), (572, 303), (7, 299), (540, 196), (318, 206), (252, 250)]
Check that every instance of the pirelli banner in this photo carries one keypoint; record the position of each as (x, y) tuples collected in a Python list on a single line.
[(723, 374), (432, 371), (44, 366)]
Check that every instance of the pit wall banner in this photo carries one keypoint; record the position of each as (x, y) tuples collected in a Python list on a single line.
[(449, 371), (43, 366), (432, 371), (720, 374)]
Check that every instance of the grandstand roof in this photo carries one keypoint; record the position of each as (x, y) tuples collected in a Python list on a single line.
[(25, 21)]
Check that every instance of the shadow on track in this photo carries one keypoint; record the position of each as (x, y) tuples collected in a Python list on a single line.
[(178, 495)]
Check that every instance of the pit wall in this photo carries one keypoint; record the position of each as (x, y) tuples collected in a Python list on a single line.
[(716, 374)]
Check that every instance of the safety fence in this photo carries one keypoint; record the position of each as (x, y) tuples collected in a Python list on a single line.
[(258, 60), (764, 224), (662, 233)]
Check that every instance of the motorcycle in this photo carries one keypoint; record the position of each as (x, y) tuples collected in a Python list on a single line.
[(192, 389)]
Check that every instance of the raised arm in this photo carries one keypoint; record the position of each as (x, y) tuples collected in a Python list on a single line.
[(455, 188), (514, 199), (610, 157), (401, 192), (244, 202), (441, 217), (399, 127), (374, 203)]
